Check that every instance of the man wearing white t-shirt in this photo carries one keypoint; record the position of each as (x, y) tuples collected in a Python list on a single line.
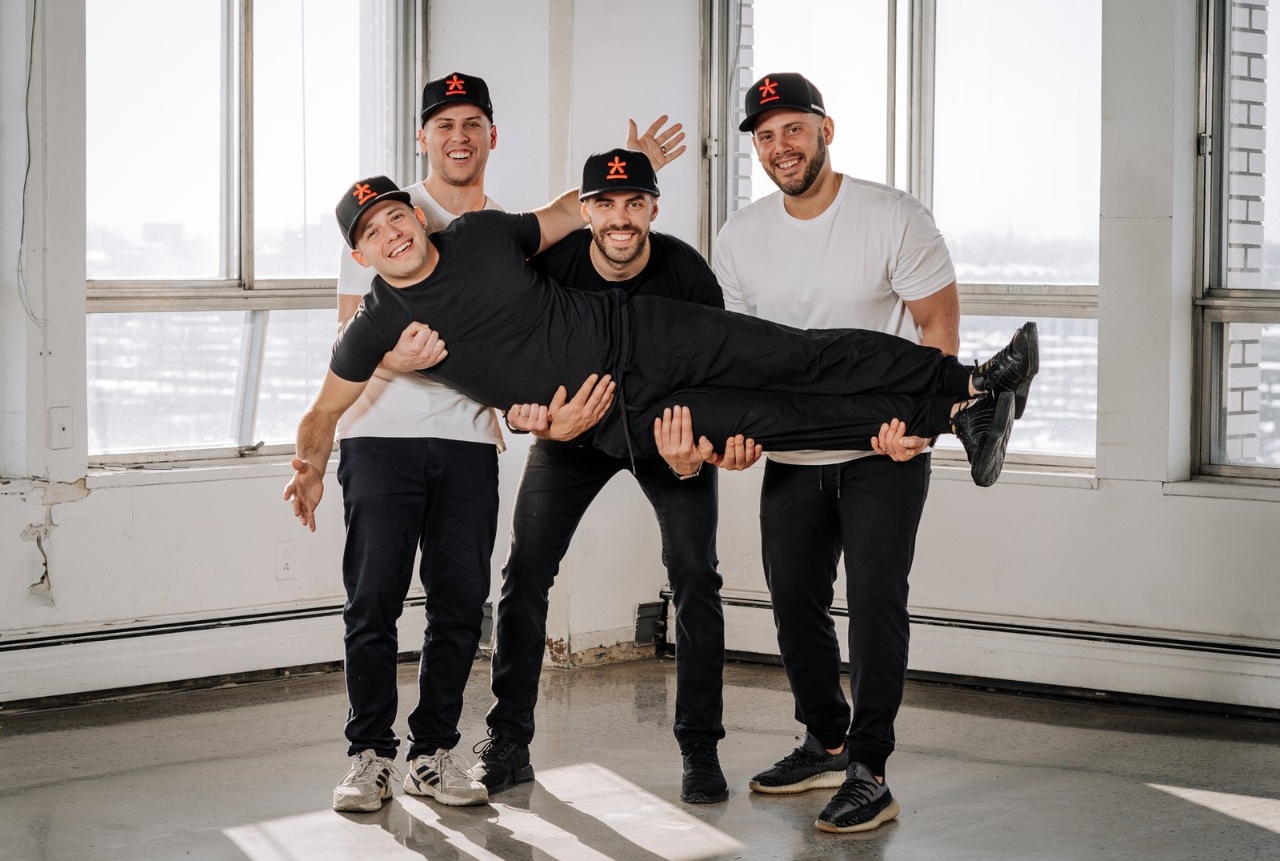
[(418, 466), (830, 250)]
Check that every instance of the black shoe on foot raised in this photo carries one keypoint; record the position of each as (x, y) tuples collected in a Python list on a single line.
[(703, 781), (1012, 369), (983, 429), (502, 763)]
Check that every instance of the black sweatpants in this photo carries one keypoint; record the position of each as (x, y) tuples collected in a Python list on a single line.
[(868, 509), (787, 388)]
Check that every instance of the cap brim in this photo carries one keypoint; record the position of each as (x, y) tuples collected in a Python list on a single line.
[(427, 112), (584, 195)]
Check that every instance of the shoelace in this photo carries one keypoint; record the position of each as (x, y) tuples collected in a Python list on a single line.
[(450, 765), (857, 789), (702, 755), (363, 766), (496, 748), (800, 756)]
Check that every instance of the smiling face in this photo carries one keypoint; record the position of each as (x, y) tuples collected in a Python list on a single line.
[(620, 231), (457, 141), (392, 238), (792, 148)]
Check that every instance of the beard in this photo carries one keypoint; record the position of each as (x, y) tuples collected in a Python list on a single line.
[(620, 256), (803, 183)]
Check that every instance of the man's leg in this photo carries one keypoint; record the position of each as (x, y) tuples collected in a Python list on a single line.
[(800, 542), (384, 498), (880, 505), (881, 502), (383, 495), (687, 514), (558, 484), (457, 546)]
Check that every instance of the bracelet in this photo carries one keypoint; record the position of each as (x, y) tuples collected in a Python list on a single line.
[(693, 474), (507, 422)]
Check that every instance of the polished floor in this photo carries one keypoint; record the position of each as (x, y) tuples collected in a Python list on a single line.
[(246, 773)]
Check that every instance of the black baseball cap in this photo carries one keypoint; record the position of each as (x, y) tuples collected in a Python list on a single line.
[(781, 90), (455, 87), (617, 170), (359, 198)]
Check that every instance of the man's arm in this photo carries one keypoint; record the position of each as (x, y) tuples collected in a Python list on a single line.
[(938, 316), (315, 443)]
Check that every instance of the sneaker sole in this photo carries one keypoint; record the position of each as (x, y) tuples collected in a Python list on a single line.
[(890, 812), (413, 786), (1021, 393), (990, 461), (520, 775), (825, 780), (351, 805), (703, 798)]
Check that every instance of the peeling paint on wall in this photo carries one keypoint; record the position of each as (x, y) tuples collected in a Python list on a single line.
[(44, 497)]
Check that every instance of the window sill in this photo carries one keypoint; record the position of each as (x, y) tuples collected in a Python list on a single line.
[(1079, 478), (1212, 487), (275, 466)]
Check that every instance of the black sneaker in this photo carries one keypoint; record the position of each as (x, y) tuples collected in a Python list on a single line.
[(983, 428), (809, 766), (861, 804), (703, 781), (503, 763), (1012, 369)]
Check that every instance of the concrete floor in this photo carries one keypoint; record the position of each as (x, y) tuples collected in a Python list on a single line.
[(247, 773)]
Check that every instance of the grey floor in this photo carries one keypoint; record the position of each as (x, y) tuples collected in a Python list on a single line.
[(246, 773)]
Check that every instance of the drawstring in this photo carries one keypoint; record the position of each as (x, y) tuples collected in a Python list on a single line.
[(822, 472)]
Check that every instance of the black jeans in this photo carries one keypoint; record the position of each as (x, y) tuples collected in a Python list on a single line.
[(399, 494), (869, 509), (559, 483)]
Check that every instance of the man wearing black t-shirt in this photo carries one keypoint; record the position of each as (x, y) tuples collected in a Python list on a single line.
[(561, 479)]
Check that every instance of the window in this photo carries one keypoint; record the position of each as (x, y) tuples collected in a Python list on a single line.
[(988, 111), (219, 134), (1238, 306)]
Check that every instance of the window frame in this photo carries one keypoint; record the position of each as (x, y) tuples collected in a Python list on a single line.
[(257, 297), (1214, 305), (910, 155)]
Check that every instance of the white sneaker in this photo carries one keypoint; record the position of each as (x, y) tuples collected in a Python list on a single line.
[(366, 785), (445, 779)]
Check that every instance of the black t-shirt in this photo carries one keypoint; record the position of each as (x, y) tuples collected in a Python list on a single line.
[(675, 270), (490, 306)]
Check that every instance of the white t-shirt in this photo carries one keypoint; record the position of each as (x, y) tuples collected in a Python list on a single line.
[(410, 405), (854, 266)]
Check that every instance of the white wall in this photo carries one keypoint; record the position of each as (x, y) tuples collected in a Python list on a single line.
[(1103, 581)]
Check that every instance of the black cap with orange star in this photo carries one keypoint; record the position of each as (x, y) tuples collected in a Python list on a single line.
[(617, 170), (781, 90), (357, 200), (455, 87)]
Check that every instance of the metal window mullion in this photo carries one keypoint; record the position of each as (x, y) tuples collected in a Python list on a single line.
[(245, 149), (922, 86), (891, 100), (249, 380)]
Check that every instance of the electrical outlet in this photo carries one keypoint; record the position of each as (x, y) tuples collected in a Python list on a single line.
[(60, 435), (284, 560)]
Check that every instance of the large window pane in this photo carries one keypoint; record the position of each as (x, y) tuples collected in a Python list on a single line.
[(295, 359), (307, 124), (164, 381), (156, 129), (1017, 138), (842, 47), (1062, 413), (1247, 407)]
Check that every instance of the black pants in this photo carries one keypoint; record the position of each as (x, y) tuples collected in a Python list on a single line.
[(559, 483), (788, 389), (869, 509), (399, 494)]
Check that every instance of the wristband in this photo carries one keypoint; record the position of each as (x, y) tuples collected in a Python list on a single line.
[(693, 474)]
